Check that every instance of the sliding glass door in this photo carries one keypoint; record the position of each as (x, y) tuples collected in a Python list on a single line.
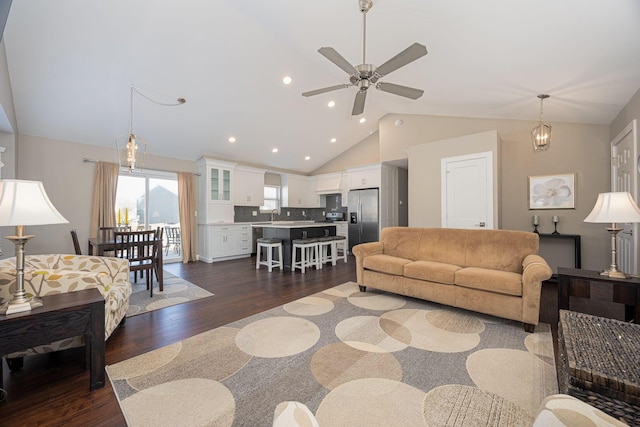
[(149, 200)]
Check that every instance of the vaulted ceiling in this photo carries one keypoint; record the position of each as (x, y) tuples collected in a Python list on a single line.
[(72, 63)]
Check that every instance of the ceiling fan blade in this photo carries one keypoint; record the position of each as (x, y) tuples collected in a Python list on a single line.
[(407, 92), (332, 55), (358, 104), (408, 55), (324, 89)]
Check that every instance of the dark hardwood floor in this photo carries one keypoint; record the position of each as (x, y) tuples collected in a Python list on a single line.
[(53, 389)]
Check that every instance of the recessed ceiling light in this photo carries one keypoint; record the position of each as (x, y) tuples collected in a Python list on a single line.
[(362, 120), (232, 139), (331, 104), (275, 150), (286, 80), (399, 123), (307, 158), (333, 140)]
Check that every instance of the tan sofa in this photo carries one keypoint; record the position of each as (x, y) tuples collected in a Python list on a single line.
[(55, 274), (496, 272)]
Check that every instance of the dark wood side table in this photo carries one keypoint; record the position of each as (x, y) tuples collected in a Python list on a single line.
[(576, 282), (61, 316)]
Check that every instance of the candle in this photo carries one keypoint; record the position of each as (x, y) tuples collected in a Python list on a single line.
[(555, 219), (126, 216), (119, 222), (536, 220)]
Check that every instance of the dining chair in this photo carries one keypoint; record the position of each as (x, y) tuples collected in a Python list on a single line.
[(140, 248), (106, 234), (159, 244), (76, 242), (173, 240)]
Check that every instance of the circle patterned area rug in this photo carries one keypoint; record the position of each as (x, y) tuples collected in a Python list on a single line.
[(352, 358), (175, 291)]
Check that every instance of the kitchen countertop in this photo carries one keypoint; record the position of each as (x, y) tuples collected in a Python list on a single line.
[(292, 224), (280, 224)]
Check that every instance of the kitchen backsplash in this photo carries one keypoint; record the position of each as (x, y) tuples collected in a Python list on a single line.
[(334, 202)]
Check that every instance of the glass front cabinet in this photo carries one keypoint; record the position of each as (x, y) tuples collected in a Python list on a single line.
[(220, 184), (215, 201)]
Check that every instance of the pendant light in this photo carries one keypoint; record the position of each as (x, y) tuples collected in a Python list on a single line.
[(541, 134), (131, 147)]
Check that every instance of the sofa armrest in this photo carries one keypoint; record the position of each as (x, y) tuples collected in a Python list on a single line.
[(534, 270), (362, 251)]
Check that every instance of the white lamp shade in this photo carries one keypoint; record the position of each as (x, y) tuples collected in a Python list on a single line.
[(614, 207), (26, 203)]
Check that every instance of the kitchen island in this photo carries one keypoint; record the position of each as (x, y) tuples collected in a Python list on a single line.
[(290, 230)]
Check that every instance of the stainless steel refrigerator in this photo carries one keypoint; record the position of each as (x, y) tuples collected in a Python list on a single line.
[(363, 216)]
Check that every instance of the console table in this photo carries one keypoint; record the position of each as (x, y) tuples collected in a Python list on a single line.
[(576, 282), (61, 316), (577, 256)]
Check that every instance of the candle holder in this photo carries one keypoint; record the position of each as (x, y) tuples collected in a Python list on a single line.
[(555, 225), (536, 222)]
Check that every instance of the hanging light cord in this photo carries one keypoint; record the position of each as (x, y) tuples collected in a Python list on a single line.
[(180, 101)]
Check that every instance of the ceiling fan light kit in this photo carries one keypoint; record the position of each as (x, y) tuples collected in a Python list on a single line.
[(365, 75)]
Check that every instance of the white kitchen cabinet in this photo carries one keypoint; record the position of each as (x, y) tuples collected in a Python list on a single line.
[(215, 203), (295, 191), (248, 186), (365, 177), (344, 189), (223, 242), (314, 199)]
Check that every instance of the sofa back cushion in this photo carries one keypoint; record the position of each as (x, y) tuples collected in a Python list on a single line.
[(493, 249), (500, 249)]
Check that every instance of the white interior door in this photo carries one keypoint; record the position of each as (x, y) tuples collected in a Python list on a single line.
[(467, 191), (624, 177)]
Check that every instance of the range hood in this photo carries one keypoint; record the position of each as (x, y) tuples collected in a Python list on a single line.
[(328, 185)]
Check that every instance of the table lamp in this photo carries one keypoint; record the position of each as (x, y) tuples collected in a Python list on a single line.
[(615, 207), (24, 203)]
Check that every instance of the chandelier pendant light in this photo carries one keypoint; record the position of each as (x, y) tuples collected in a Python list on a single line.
[(541, 134), (131, 148)]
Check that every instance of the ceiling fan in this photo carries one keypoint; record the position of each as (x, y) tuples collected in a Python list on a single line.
[(365, 75)]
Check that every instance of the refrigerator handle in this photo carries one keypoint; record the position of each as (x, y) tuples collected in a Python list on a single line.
[(360, 218)]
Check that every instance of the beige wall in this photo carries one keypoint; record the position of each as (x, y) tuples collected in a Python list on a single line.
[(69, 183), (425, 208), (582, 149), (365, 152)]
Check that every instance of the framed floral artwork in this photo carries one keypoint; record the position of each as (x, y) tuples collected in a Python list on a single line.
[(552, 191)]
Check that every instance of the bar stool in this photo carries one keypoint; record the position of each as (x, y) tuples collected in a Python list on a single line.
[(327, 250), (308, 254), (269, 244), (341, 240)]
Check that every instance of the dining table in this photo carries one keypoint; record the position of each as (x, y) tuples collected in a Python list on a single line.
[(105, 243)]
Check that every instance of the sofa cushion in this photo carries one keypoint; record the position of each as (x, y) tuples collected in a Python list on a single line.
[(432, 271), (443, 245), (503, 282), (386, 264), (499, 249)]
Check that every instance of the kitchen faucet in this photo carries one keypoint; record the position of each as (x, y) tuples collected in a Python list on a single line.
[(272, 212)]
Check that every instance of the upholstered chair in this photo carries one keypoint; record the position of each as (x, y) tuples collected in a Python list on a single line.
[(55, 274)]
